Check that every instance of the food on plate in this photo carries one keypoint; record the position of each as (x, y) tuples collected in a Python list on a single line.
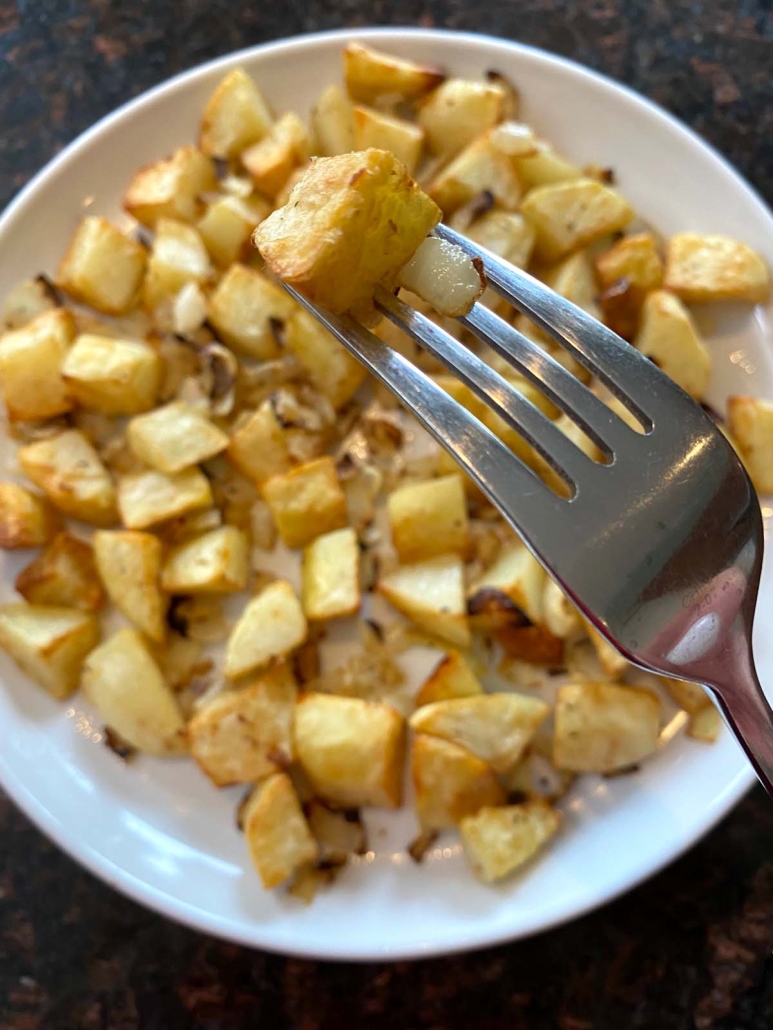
[(273, 532)]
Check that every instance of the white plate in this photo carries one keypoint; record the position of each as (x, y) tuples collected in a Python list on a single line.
[(159, 831)]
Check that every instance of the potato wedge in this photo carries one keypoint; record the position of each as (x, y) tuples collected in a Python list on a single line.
[(497, 841), (235, 116), (69, 471), (401, 138), (329, 366), (431, 594), (331, 575), (170, 188), (667, 335), (569, 215), (332, 123), (450, 782), (123, 682), (306, 502), (63, 575), (271, 625), (350, 750), (26, 519), (275, 157), (174, 437), (245, 309), (458, 111), (215, 563), (48, 644), (601, 727), (452, 677), (259, 448), (703, 268), (102, 267), (429, 519), (113, 377), (129, 564), (751, 424), (31, 366), (147, 498), (275, 828), (370, 74)]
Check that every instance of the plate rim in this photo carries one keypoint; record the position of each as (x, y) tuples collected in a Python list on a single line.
[(167, 905)]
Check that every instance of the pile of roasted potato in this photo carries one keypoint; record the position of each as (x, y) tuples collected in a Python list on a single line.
[(166, 391)]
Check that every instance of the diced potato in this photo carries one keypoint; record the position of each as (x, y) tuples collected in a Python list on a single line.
[(376, 129), (178, 257), (458, 111), (215, 563), (611, 661), (569, 215), (147, 498), (329, 366), (123, 682), (271, 625), (705, 725), (634, 258), (113, 377), (601, 727), (243, 735), (26, 520), (518, 575), (315, 244), (235, 116), (668, 335), (306, 501), (497, 841), (332, 123), (129, 564), (32, 297), (506, 234), (30, 366), (69, 471), (227, 225), (450, 782), (102, 267), (575, 279), (480, 166), (174, 437), (244, 309), (48, 644), (429, 519), (258, 448), (370, 74), (350, 750), (545, 167), (331, 575), (431, 594), (170, 188), (284, 148), (495, 727), (691, 697), (703, 268), (275, 828), (751, 424), (452, 677), (63, 575), (560, 616)]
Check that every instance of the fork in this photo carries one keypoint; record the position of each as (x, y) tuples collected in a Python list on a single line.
[(660, 547)]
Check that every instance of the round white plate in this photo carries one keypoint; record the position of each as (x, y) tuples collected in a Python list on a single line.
[(160, 832)]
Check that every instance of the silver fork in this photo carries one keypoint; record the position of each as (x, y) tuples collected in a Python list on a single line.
[(661, 547)]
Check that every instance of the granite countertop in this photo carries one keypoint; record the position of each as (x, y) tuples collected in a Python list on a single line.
[(692, 947)]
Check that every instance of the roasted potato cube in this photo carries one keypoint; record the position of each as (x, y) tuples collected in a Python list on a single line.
[(495, 727), (691, 697), (175, 437), (517, 574), (751, 424), (129, 564), (243, 735), (376, 129), (611, 661), (458, 111), (498, 840), (332, 123), (178, 257), (450, 782), (215, 563), (123, 682), (331, 575), (705, 725), (451, 677), (560, 616), (26, 520), (170, 188), (69, 471), (48, 644), (258, 448), (601, 727), (147, 498), (271, 625), (575, 279), (668, 335), (102, 267), (306, 501), (315, 243), (370, 74), (569, 215), (278, 836), (63, 575), (480, 166), (431, 594), (545, 167), (235, 116), (329, 366), (350, 750), (30, 298), (703, 268), (429, 519), (506, 234), (30, 366), (244, 309), (227, 225), (634, 258), (284, 148), (113, 377)]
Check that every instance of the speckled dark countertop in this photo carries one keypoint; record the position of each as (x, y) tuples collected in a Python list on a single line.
[(691, 948)]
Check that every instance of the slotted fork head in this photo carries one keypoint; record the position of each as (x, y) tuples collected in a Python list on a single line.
[(661, 546)]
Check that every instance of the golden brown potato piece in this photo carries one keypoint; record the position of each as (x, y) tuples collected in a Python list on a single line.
[(69, 471), (270, 626), (451, 677), (634, 258), (332, 123), (129, 564), (102, 267), (275, 828), (306, 501), (611, 661), (668, 335), (601, 727), (545, 167), (569, 215), (351, 750), (532, 644), (258, 448), (703, 268), (458, 111), (235, 116), (26, 519), (370, 74), (113, 377), (272, 159), (498, 841), (329, 366), (506, 234), (691, 697), (450, 782), (431, 594), (518, 575), (315, 242), (751, 424), (147, 498), (560, 616), (705, 725), (227, 225), (480, 166), (245, 309), (63, 575), (215, 563), (31, 366), (174, 437), (48, 644), (429, 519), (331, 575), (170, 188), (243, 735), (401, 138)]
